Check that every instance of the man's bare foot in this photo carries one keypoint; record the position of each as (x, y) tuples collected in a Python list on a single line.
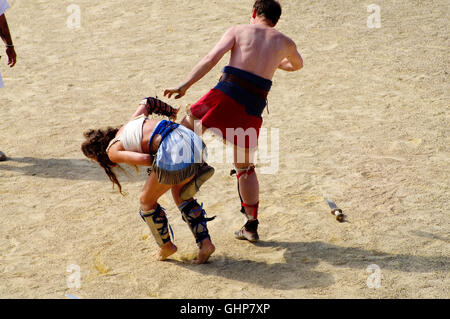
[(166, 250), (205, 251)]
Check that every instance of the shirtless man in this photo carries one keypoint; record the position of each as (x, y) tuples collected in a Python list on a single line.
[(238, 100)]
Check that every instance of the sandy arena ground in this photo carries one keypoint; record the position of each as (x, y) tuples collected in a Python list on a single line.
[(366, 122)]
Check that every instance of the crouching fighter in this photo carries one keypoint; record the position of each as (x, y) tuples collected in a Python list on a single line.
[(176, 156), (233, 108)]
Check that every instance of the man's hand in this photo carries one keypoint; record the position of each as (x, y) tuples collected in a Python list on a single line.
[(181, 91), (286, 65), (12, 57)]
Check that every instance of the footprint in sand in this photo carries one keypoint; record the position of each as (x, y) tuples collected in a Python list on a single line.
[(415, 142)]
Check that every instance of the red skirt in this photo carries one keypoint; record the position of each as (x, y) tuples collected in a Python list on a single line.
[(223, 115)]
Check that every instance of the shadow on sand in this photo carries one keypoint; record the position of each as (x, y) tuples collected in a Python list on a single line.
[(302, 257), (64, 168)]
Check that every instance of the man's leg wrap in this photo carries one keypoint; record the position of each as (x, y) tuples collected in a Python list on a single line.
[(157, 222), (189, 211), (254, 212), (239, 173)]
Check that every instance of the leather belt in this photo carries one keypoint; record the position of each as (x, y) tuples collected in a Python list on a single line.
[(156, 141), (249, 87)]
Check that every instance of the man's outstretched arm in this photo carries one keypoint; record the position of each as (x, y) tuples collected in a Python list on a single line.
[(6, 37), (205, 65), (293, 61)]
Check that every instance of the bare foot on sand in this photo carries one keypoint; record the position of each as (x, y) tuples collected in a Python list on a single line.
[(205, 251), (166, 250)]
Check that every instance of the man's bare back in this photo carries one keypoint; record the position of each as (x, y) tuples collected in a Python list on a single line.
[(259, 49), (256, 47)]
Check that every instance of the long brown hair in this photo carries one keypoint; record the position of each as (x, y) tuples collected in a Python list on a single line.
[(94, 147)]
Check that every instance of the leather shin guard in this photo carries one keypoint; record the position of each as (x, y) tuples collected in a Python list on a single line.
[(248, 171), (157, 222), (197, 225)]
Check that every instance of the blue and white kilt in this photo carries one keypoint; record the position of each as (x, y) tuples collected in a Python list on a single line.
[(180, 154)]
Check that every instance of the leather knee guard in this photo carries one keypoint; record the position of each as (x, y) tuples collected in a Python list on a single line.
[(197, 224), (157, 222)]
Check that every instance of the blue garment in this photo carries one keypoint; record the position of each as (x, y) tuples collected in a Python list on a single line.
[(163, 128), (180, 153), (254, 105)]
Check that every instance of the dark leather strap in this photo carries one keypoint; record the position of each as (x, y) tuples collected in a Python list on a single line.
[(249, 87)]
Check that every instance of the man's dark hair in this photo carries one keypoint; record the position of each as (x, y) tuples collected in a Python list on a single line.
[(270, 9)]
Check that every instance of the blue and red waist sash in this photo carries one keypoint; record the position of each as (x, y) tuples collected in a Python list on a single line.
[(246, 88)]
